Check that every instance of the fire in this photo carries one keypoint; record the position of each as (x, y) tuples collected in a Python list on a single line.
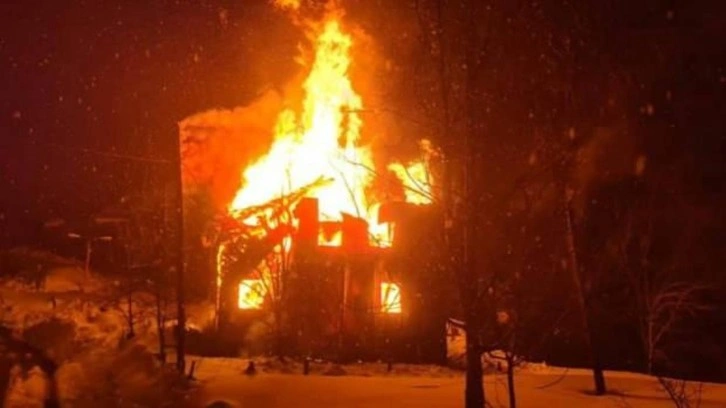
[(251, 294), (390, 298), (322, 141), (416, 177), (287, 4), (415, 180), (319, 150), (220, 264)]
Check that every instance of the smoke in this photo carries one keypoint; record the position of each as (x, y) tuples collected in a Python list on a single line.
[(259, 335), (219, 143), (611, 154), (307, 14)]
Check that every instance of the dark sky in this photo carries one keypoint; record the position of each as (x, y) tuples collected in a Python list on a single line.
[(116, 76)]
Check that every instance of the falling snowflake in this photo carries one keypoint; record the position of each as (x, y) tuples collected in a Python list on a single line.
[(640, 163), (224, 18)]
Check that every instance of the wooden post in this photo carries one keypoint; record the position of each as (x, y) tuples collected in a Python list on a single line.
[(179, 263)]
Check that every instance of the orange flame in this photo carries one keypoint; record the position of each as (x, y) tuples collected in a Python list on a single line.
[(322, 141), (390, 298), (416, 184), (287, 4), (252, 294), (416, 177)]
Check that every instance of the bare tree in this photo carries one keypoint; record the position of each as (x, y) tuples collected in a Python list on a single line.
[(272, 273), (663, 300), (683, 394), (261, 252), (162, 300)]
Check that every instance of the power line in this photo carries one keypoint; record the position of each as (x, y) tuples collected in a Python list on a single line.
[(97, 152)]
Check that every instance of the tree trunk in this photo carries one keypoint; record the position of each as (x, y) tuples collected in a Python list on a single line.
[(649, 343), (180, 260), (5, 368), (11, 346), (510, 382), (342, 351), (598, 374), (130, 311), (130, 286), (474, 391), (597, 370), (160, 323), (279, 346), (51, 391)]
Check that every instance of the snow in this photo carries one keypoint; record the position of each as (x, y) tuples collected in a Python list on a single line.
[(77, 323), (26, 389), (66, 279), (219, 367), (222, 380), (493, 361), (97, 369)]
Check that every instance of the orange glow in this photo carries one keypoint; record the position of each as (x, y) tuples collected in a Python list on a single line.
[(415, 181), (333, 240), (220, 272), (390, 298), (287, 4), (323, 140), (416, 177), (251, 294)]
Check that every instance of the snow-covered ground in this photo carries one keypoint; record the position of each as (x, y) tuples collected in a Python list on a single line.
[(369, 386), (79, 325), (96, 364)]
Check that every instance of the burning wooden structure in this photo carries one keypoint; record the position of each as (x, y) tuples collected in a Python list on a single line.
[(310, 245), (352, 301)]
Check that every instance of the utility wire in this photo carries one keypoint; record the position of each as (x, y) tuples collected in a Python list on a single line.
[(96, 152)]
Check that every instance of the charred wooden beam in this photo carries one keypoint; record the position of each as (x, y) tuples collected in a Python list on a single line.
[(309, 223), (393, 211), (355, 234), (329, 230), (278, 206)]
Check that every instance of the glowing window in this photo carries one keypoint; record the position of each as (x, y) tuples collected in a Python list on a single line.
[(390, 298), (251, 294)]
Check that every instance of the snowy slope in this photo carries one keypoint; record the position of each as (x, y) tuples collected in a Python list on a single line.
[(223, 380), (80, 327)]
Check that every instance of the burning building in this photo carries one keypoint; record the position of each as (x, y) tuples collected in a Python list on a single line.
[(335, 252)]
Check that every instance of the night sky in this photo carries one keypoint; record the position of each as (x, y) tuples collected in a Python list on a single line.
[(85, 81), (115, 77)]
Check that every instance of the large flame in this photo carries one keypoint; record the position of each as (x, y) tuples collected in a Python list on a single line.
[(322, 141)]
